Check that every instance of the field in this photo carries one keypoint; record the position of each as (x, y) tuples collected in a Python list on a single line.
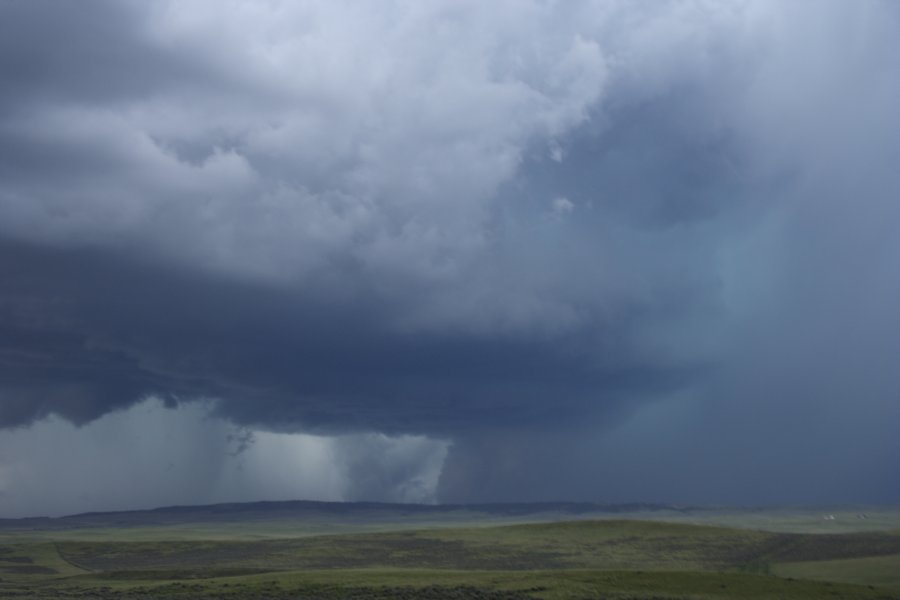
[(310, 550)]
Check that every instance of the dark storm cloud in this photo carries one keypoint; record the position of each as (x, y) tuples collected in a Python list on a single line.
[(362, 287), (802, 402), (86, 333), (63, 51), (337, 217)]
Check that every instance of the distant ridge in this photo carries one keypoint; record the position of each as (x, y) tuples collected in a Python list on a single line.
[(312, 509)]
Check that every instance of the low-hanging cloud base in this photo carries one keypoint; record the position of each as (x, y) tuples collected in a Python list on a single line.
[(186, 456)]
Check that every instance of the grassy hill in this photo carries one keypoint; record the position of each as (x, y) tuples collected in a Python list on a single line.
[(257, 520), (249, 552)]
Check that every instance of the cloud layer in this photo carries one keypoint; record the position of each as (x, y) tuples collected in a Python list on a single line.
[(478, 222)]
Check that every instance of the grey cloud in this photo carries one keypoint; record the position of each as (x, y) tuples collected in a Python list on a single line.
[(800, 403), (297, 291), (185, 455), (383, 469), (331, 217), (118, 332), (62, 51)]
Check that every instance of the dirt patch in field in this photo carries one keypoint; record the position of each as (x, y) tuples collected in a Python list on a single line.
[(179, 574), (796, 548), (28, 570), (25, 560)]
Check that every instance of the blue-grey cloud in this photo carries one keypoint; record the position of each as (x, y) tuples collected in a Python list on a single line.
[(479, 222)]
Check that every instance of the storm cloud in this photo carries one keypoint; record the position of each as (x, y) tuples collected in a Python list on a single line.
[(537, 231)]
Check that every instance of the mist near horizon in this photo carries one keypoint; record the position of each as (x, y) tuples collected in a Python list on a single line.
[(608, 251)]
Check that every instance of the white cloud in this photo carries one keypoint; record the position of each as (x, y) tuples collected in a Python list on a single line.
[(562, 206)]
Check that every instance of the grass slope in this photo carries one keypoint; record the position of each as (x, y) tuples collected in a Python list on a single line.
[(873, 570), (567, 545), (260, 520), (575, 559), (449, 584)]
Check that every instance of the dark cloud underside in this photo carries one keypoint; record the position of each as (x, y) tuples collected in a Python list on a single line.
[(95, 333)]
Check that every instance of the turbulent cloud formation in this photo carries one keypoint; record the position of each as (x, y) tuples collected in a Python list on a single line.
[(501, 224)]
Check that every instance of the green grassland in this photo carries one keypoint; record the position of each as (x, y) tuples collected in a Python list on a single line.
[(875, 570), (462, 557), (276, 520)]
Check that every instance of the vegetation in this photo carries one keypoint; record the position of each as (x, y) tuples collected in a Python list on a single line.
[(619, 558)]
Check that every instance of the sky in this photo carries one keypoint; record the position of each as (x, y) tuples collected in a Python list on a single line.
[(448, 251)]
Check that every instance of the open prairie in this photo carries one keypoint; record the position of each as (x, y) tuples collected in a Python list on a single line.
[(312, 550)]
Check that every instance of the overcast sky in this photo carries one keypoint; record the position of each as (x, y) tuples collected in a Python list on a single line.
[(449, 251)]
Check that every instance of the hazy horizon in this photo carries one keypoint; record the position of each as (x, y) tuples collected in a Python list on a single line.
[(631, 509)]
